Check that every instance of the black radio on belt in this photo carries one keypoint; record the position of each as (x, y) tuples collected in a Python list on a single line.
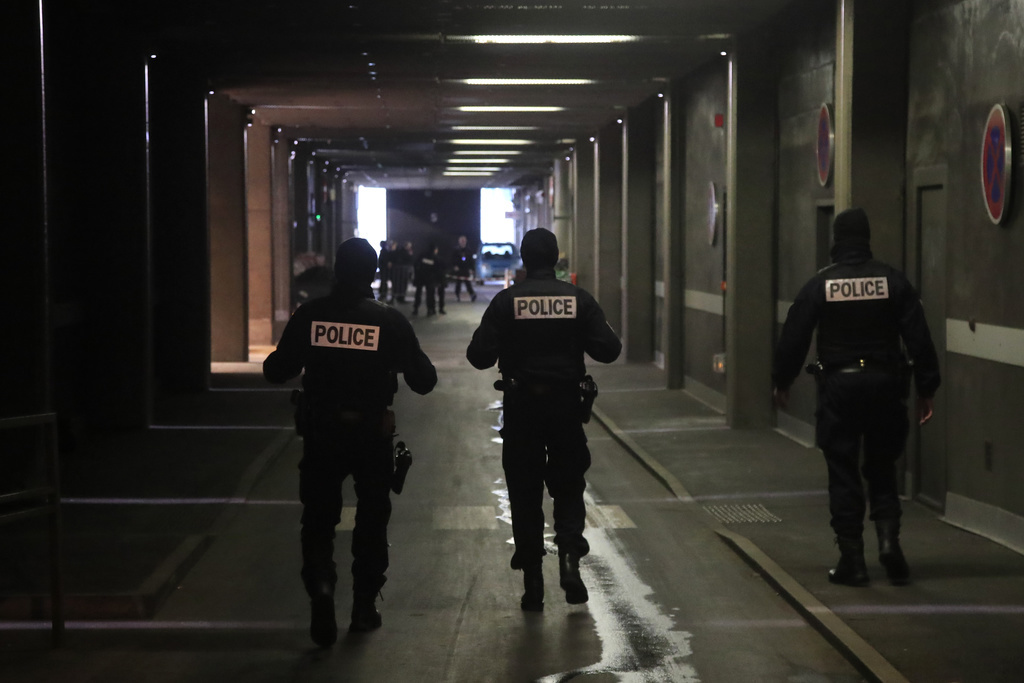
[(588, 392), (403, 461)]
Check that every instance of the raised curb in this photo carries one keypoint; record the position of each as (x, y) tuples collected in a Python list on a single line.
[(866, 659)]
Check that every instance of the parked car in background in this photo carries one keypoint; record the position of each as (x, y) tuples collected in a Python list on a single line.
[(495, 258)]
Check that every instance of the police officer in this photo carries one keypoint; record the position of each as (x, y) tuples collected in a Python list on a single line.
[(429, 274), (861, 308), (537, 331), (464, 265), (351, 347)]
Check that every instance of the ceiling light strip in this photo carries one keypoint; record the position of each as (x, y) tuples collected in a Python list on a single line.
[(517, 108), (539, 39)]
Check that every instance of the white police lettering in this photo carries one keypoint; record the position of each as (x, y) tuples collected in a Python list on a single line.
[(544, 307), (344, 336), (857, 289)]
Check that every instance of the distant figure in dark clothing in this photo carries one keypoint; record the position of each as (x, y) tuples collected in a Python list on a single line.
[(401, 271), (384, 270), (464, 266), (351, 348), (428, 274)]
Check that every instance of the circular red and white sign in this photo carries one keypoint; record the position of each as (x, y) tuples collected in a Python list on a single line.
[(997, 163), (826, 144)]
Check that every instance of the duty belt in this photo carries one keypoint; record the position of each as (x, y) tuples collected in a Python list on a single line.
[(857, 366)]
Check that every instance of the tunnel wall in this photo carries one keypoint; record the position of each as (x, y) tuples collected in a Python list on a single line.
[(964, 58), (705, 97)]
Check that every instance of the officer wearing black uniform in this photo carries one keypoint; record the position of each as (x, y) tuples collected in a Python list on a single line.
[(861, 308), (537, 331), (428, 274), (352, 348), (464, 264)]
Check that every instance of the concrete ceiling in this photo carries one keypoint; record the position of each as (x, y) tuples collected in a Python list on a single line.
[(375, 86)]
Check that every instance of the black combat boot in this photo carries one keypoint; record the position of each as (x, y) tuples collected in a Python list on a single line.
[(889, 552), (323, 628), (851, 570), (365, 616), (569, 578), (533, 595)]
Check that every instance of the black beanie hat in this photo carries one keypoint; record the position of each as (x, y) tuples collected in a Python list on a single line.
[(539, 249), (851, 227), (355, 263)]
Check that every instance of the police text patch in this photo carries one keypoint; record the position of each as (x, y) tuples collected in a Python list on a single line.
[(544, 307), (344, 336), (857, 289)]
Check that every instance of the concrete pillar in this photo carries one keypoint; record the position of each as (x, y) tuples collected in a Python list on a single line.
[(638, 233), (281, 232), (878, 154), (608, 224), (581, 260), (843, 170), (24, 261), (258, 231), (97, 218), (750, 234), (229, 324), (561, 218), (674, 240), (181, 266), (349, 211)]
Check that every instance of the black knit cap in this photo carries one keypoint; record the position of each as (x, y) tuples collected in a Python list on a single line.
[(355, 263), (851, 227), (539, 249)]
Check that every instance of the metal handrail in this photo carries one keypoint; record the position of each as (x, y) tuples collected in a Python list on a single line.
[(49, 505)]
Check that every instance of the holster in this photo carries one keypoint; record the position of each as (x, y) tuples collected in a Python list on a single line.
[(387, 426), (588, 392)]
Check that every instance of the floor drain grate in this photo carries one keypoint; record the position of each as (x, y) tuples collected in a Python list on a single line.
[(737, 514)]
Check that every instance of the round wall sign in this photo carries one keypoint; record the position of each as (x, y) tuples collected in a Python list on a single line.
[(996, 163), (712, 213), (825, 147)]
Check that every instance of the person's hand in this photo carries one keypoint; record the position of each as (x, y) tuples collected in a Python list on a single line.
[(925, 409), (780, 398)]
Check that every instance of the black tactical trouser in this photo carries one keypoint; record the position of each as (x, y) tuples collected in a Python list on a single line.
[(464, 279), (851, 407), (331, 452), (433, 289), (544, 443)]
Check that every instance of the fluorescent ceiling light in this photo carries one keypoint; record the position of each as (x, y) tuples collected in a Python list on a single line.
[(495, 127), (482, 152), (477, 169), (535, 39), (508, 109), (484, 142), (469, 173), (526, 81), (478, 161)]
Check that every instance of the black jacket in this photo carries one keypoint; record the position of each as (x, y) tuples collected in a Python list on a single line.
[(539, 329), (351, 347), (861, 308)]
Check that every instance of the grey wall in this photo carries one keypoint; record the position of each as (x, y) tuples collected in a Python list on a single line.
[(608, 222), (229, 323), (806, 80), (638, 234), (581, 261), (965, 57), (706, 95)]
